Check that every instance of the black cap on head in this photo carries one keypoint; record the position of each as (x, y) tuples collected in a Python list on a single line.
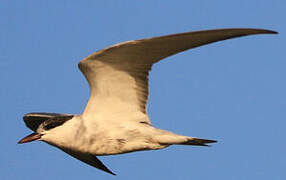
[(50, 120)]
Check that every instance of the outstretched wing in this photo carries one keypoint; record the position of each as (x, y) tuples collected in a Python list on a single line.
[(118, 75), (89, 159)]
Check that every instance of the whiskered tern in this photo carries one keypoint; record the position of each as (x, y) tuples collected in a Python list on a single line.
[(115, 120)]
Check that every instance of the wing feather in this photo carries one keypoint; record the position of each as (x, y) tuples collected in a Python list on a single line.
[(118, 75), (89, 159)]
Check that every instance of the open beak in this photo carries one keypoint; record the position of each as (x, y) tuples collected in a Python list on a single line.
[(29, 138)]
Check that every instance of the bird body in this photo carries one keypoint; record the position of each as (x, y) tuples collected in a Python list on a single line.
[(115, 119), (116, 138)]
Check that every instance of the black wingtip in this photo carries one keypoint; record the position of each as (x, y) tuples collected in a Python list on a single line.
[(113, 174), (109, 171), (98, 164)]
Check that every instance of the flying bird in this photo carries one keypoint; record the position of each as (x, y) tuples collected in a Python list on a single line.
[(115, 120)]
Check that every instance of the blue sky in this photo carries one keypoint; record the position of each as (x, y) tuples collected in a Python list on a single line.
[(231, 91)]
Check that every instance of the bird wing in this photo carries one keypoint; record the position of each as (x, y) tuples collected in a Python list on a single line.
[(89, 159), (118, 75)]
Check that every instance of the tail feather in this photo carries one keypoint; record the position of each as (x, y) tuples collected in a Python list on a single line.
[(169, 138), (198, 142)]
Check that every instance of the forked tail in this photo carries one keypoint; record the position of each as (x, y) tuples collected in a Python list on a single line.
[(169, 138), (198, 142)]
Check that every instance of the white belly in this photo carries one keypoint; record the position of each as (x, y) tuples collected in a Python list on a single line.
[(124, 140)]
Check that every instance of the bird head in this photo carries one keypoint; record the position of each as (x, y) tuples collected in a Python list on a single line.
[(42, 124)]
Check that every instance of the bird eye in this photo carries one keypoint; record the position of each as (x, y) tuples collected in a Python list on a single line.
[(50, 126)]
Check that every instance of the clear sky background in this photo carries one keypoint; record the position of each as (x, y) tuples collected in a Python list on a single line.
[(232, 91)]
